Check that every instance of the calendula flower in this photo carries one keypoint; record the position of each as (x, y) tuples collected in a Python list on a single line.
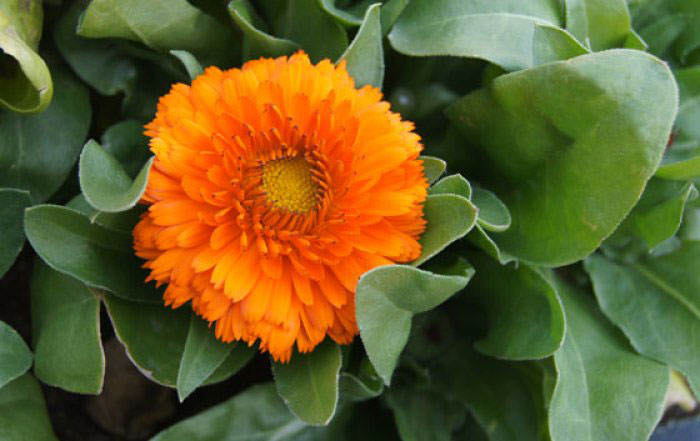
[(274, 187)]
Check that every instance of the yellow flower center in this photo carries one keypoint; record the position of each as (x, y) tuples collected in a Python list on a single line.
[(288, 184)]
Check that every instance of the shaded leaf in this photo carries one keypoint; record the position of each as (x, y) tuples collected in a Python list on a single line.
[(99, 257), (309, 383), (547, 164), (15, 356), (512, 34), (599, 24), (656, 302), (66, 336), (25, 85), (38, 151), (192, 66), (23, 414), (599, 376), (424, 415), (161, 25), (126, 142), (493, 214), (104, 182), (365, 55), (12, 205), (258, 42)]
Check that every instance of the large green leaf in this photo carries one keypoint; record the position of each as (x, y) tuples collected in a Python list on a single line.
[(202, 355), (604, 390), (656, 302), (514, 34), (387, 298), (15, 356), (599, 24), (104, 182), (162, 25), (255, 414), (450, 217), (25, 85), (102, 64), (308, 383), (305, 23), (365, 55), (257, 42), (525, 317), (12, 205), (23, 414), (423, 414), (547, 155), (37, 152), (66, 336), (99, 257)]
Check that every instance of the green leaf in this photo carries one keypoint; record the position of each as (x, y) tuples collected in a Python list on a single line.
[(161, 25), (257, 42), (25, 85), (192, 66), (493, 214), (153, 336), (255, 414), (525, 317), (505, 398), (386, 299), (599, 24), (423, 414), (547, 163), (453, 184), (658, 214), (104, 182), (23, 414), (102, 64), (37, 152), (15, 356), (66, 335), (309, 383), (599, 378), (353, 388), (656, 302), (202, 355), (305, 23), (433, 168), (99, 257), (450, 217), (479, 237), (512, 34), (12, 205), (365, 55), (126, 142)]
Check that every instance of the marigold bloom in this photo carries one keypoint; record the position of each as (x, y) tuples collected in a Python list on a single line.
[(274, 187)]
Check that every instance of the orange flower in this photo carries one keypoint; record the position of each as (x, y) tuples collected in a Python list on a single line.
[(274, 187)]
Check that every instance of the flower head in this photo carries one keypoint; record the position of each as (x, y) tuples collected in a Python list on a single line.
[(274, 187)]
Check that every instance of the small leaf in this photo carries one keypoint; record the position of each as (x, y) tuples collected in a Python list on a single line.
[(192, 66), (656, 302), (25, 85), (365, 55), (104, 182), (453, 184), (101, 258), (525, 317), (433, 168), (354, 389), (38, 151), (202, 355), (257, 43), (161, 25), (493, 214), (479, 237), (386, 299), (450, 217), (126, 142), (599, 376), (513, 35), (15, 356), (67, 341), (12, 205), (309, 383), (599, 24), (547, 166), (23, 414)]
